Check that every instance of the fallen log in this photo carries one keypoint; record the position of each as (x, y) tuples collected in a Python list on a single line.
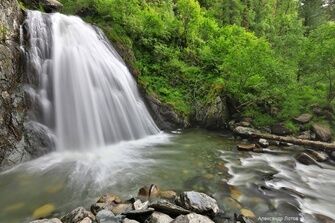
[(253, 133)]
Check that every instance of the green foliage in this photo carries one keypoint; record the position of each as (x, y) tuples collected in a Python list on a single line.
[(320, 60), (255, 52)]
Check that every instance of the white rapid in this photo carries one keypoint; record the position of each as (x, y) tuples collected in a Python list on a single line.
[(80, 86)]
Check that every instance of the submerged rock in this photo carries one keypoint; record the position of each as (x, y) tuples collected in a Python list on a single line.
[(198, 202), (77, 215), (44, 211), (192, 218), (168, 208), (247, 213), (158, 217)]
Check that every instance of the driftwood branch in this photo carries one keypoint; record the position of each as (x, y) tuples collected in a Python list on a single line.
[(289, 139)]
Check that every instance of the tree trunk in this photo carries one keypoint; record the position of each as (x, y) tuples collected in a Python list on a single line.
[(289, 139)]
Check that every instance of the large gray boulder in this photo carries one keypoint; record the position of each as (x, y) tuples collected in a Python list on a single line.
[(198, 202), (213, 115)]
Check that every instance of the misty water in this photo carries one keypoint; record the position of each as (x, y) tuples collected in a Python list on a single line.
[(105, 140), (268, 184)]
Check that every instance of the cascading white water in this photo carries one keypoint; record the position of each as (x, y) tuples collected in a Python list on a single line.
[(83, 90)]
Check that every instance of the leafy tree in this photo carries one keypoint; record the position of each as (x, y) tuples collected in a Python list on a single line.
[(313, 13), (320, 59)]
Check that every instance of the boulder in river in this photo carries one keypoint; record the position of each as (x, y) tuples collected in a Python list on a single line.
[(322, 132), (263, 143), (77, 215), (318, 155), (304, 118), (168, 208), (306, 159), (246, 147), (158, 217), (192, 218), (198, 202)]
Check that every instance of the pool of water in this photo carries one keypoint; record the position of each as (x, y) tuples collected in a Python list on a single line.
[(270, 185)]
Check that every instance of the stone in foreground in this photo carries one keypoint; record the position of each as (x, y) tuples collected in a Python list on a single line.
[(158, 217), (106, 216), (198, 202), (168, 208), (127, 220), (192, 218), (77, 215)]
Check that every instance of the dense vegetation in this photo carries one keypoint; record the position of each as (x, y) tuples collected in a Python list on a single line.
[(273, 59)]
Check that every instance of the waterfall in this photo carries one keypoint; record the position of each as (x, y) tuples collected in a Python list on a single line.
[(79, 85)]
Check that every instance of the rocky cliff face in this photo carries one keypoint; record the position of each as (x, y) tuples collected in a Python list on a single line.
[(19, 140), (12, 109)]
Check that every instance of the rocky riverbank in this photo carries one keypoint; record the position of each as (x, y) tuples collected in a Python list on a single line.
[(150, 206)]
